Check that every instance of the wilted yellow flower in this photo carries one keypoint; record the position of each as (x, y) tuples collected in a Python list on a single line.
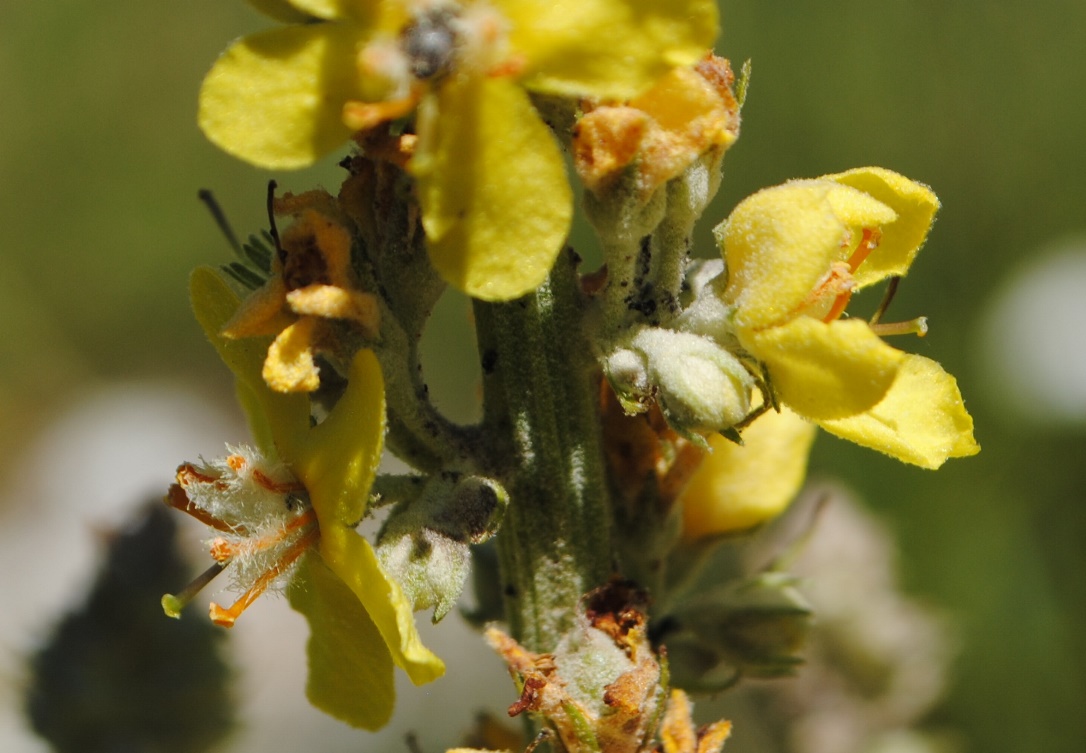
[(795, 254), (312, 282), (685, 114), (360, 620), (491, 180)]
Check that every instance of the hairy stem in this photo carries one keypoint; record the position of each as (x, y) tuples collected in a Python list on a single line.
[(542, 414)]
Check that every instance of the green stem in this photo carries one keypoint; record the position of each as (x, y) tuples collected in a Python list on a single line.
[(418, 433), (542, 412)]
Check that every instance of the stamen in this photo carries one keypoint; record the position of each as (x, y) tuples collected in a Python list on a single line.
[(284, 487), (227, 617), (837, 282), (172, 605), (223, 550), (361, 116), (917, 326), (868, 243), (179, 500), (187, 473), (512, 66), (839, 305)]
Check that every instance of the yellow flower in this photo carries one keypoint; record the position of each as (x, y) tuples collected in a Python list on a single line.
[(795, 254), (360, 621), (495, 200), (738, 487)]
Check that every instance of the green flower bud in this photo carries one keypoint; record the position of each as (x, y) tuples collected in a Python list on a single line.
[(425, 543), (699, 385), (753, 629)]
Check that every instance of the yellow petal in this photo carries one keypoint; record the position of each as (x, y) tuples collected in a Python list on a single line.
[(780, 243), (496, 203), (737, 487), (685, 103), (332, 302), (275, 99), (350, 669), (259, 426), (337, 465), (289, 366), (922, 420), (339, 459), (352, 558), (610, 49), (326, 9), (825, 371), (261, 313), (915, 205), (282, 10), (285, 418)]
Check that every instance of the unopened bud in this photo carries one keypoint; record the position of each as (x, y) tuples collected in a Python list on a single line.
[(701, 387)]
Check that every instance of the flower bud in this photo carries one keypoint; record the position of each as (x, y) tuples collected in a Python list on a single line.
[(754, 628), (699, 385), (425, 543)]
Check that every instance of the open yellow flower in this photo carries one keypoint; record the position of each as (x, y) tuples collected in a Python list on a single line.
[(361, 623), (795, 254), (491, 180)]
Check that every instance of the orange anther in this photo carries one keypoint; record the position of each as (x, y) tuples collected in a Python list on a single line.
[(187, 473), (361, 116), (222, 550)]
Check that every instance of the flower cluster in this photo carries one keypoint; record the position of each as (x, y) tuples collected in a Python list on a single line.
[(261, 524), (496, 204), (773, 315), (460, 113)]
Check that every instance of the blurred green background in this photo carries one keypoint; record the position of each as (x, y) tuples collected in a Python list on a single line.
[(100, 162)]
